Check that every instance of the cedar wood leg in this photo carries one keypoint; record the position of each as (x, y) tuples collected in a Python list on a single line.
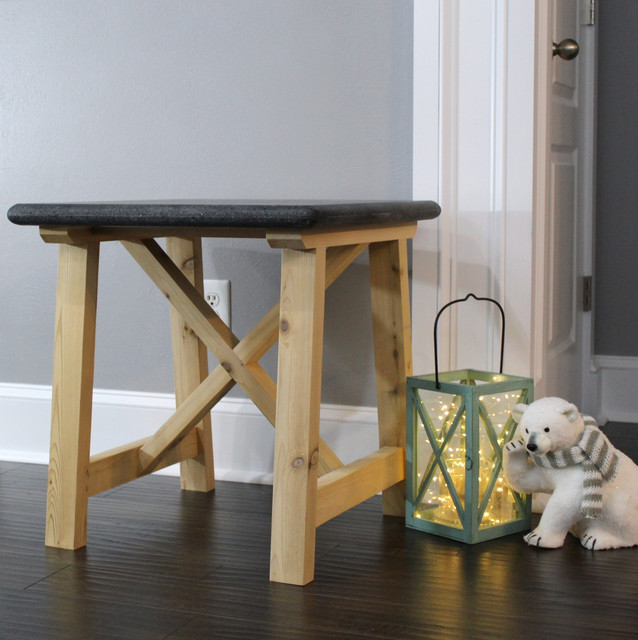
[(74, 349), (298, 402), (190, 365), (392, 350)]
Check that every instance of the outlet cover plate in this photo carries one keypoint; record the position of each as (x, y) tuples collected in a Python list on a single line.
[(217, 294)]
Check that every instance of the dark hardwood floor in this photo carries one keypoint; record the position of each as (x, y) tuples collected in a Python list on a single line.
[(166, 564)]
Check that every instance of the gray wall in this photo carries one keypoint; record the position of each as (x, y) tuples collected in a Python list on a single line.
[(113, 99), (616, 306)]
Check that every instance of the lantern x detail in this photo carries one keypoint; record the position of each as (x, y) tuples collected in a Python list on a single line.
[(438, 457)]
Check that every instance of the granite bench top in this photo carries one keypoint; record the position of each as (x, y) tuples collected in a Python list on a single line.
[(291, 214)]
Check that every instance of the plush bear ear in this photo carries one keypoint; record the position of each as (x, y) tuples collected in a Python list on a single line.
[(518, 411), (570, 411)]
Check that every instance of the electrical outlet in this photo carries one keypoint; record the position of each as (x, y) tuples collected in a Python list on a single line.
[(217, 294)]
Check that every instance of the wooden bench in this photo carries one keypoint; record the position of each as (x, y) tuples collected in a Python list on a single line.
[(318, 241)]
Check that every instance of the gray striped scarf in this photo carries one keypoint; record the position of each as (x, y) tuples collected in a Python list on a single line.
[(599, 460)]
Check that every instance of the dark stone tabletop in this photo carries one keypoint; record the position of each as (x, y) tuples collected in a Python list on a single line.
[(292, 214)]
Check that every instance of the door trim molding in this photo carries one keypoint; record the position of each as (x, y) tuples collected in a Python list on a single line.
[(540, 195)]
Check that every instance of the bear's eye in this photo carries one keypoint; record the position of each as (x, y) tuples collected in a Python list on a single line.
[(546, 429), (526, 430)]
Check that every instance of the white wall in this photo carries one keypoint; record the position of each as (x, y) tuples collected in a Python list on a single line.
[(116, 100), (243, 438), (173, 99)]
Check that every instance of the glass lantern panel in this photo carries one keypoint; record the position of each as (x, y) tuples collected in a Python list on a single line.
[(496, 412), (503, 506), (439, 458), (496, 427)]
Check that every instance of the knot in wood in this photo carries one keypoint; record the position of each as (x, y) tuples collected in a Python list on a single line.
[(314, 458), (297, 463), (188, 264), (284, 326), (227, 366)]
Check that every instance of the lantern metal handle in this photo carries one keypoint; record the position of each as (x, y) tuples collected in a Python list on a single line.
[(436, 321)]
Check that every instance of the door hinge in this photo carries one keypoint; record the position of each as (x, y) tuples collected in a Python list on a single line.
[(589, 9), (587, 293)]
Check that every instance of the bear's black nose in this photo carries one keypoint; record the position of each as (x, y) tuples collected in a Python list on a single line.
[(532, 447)]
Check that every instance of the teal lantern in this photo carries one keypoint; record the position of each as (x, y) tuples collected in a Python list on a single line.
[(457, 425)]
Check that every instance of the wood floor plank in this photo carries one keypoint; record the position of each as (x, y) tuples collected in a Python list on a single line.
[(166, 564), (8, 466), (60, 616), (203, 627)]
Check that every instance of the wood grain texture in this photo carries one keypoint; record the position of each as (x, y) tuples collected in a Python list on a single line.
[(391, 324), (208, 327), (196, 393), (333, 237), (166, 565), (82, 235), (353, 483), (298, 402), (185, 417), (190, 365), (72, 401), (110, 469), (238, 364)]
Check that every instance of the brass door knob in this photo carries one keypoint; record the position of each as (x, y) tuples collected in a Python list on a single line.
[(566, 49)]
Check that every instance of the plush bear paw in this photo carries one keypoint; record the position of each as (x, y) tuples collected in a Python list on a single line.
[(515, 447), (600, 540), (544, 540), (517, 468)]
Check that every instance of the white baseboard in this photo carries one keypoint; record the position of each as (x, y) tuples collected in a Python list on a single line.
[(618, 385), (243, 439)]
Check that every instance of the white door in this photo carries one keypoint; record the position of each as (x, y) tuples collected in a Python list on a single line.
[(562, 199)]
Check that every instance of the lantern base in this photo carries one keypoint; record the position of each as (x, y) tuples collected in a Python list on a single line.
[(461, 535)]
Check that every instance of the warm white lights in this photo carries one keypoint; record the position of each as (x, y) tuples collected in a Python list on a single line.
[(455, 440)]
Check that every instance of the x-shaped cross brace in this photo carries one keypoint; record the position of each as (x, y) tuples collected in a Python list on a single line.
[(238, 359)]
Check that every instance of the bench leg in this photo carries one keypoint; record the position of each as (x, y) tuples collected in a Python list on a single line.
[(74, 348), (190, 365), (392, 350), (298, 404)]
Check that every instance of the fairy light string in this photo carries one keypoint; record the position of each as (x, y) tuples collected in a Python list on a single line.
[(442, 441)]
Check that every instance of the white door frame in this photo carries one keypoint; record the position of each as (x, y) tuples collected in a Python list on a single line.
[(540, 204), (513, 159), (473, 110), (592, 391)]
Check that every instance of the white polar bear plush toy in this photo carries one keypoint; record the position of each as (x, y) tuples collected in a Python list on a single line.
[(593, 486)]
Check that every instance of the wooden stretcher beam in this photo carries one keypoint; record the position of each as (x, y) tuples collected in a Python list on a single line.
[(316, 238), (353, 483), (82, 235), (119, 465)]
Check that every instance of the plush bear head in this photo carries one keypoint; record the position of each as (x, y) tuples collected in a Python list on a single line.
[(549, 424)]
